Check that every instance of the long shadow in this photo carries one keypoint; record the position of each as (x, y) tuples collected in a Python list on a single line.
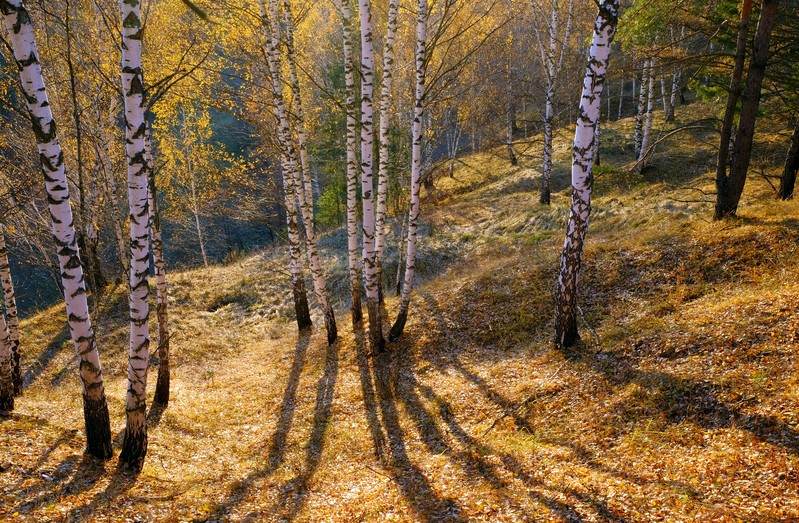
[(122, 480), (410, 479), (37, 367), (693, 401), (277, 448), (155, 414), (83, 472), (369, 395), (295, 491)]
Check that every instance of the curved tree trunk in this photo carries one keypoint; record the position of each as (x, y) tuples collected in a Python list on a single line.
[(11, 315), (159, 265), (134, 446), (352, 166), (416, 170), (367, 182), (729, 188), (788, 178), (382, 174), (582, 179), (95, 409)]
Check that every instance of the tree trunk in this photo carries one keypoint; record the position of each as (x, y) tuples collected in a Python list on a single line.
[(639, 109), (292, 174), (646, 137), (159, 265), (134, 446), (382, 174), (732, 99), (788, 178), (95, 409), (6, 364), (352, 167), (416, 170), (731, 187), (582, 179), (367, 183), (403, 239), (621, 98), (11, 315)]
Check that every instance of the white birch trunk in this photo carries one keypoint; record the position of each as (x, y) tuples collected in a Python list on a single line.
[(195, 210), (352, 165), (552, 63), (646, 137), (291, 169), (299, 112), (582, 179), (416, 170), (95, 409), (675, 91), (640, 108), (11, 316), (159, 264), (382, 175), (367, 182), (621, 98), (134, 447)]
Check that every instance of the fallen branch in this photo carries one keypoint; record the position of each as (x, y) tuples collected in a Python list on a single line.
[(651, 148)]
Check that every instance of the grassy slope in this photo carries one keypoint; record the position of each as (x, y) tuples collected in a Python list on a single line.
[(681, 405)]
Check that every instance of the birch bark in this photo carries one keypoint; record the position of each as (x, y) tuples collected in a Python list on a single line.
[(382, 174), (367, 182), (582, 179), (11, 315), (6, 380), (95, 409), (416, 170), (352, 165), (134, 446)]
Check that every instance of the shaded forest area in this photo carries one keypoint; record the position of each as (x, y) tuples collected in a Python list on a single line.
[(318, 248)]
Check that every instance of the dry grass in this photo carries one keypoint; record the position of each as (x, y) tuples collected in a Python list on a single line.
[(685, 408)]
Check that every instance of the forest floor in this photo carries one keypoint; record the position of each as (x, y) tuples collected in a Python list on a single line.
[(681, 404)]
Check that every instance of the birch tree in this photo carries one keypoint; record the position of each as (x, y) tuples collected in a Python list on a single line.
[(582, 179), (416, 168), (6, 381), (352, 164), (95, 409), (552, 44), (134, 446), (382, 175), (159, 270), (367, 182), (646, 134), (11, 316), (292, 177)]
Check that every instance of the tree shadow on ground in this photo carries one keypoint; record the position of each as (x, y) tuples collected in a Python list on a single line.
[(37, 367), (122, 480), (294, 492)]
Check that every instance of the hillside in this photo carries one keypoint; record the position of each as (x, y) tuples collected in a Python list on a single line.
[(681, 404)]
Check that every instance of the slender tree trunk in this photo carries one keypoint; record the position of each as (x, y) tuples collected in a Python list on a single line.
[(788, 178), (675, 90), (292, 173), (621, 98), (732, 99), (195, 210), (640, 107), (646, 137), (367, 183), (403, 239), (731, 187), (6, 364), (159, 265), (416, 170), (95, 409), (352, 166), (382, 174), (299, 112), (582, 179), (11, 315), (134, 446)]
